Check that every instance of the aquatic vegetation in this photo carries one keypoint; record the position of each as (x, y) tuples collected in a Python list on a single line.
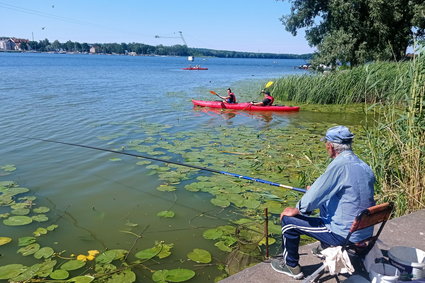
[(5, 240), (200, 256), (94, 266), (7, 169), (289, 155), (166, 214)]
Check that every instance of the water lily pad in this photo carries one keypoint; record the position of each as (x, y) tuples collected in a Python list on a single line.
[(192, 187), (166, 188), (25, 241), (5, 200), (29, 273), (148, 253), (8, 168), (220, 202), (59, 274), (21, 211), (40, 218), (17, 220), (165, 249), (29, 250), (73, 264), (5, 240), (28, 198), (223, 246), (174, 275), (6, 184), (40, 231), (213, 234), (19, 205), (46, 268), (52, 227), (200, 256), (125, 276), (11, 270), (166, 214), (41, 209), (17, 190), (44, 252), (111, 255)]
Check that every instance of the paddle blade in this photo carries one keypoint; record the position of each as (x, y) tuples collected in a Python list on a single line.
[(213, 92), (269, 84)]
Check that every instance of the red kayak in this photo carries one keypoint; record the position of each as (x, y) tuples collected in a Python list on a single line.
[(194, 68), (242, 106)]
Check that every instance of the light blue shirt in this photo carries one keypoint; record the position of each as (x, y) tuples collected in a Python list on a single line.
[(341, 193)]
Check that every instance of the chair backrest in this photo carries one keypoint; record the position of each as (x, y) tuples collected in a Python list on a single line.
[(369, 217)]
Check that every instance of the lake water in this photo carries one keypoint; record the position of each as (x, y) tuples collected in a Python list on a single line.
[(116, 102)]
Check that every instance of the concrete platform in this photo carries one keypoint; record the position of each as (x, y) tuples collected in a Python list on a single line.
[(408, 230)]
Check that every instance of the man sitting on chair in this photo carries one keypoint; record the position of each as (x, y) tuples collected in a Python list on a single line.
[(341, 193)]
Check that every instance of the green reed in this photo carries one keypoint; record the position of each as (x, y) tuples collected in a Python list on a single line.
[(397, 142), (371, 83)]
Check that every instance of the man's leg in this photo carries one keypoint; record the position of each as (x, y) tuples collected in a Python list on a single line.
[(293, 227)]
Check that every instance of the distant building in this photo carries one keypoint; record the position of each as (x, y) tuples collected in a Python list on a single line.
[(94, 49), (11, 43), (18, 42), (6, 44)]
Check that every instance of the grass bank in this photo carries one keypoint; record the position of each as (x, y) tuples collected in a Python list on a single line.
[(393, 97)]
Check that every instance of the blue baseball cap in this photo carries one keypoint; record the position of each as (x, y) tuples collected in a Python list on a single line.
[(338, 134)]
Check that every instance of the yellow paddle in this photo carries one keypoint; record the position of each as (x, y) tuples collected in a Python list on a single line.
[(269, 84)]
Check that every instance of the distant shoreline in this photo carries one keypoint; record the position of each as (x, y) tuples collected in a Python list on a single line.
[(133, 55)]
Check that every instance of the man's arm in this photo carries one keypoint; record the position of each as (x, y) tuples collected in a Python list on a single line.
[(322, 190)]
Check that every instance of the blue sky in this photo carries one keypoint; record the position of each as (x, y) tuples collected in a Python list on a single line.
[(241, 25)]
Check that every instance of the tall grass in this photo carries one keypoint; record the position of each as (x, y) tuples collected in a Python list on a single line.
[(371, 83), (397, 142)]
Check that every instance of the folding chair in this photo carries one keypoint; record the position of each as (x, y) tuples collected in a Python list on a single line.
[(368, 217)]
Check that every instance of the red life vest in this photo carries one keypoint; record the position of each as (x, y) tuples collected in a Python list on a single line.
[(271, 98), (232, 98)]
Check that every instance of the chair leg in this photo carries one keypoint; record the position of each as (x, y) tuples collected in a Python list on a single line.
[(315, 275)]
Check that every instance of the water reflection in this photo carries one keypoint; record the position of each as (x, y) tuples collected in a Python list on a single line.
[(228, 114)]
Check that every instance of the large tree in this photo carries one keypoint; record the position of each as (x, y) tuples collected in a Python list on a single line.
[(357, 31)]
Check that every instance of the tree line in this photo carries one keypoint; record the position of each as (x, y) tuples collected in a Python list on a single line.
[(145, 49), (358, 31)]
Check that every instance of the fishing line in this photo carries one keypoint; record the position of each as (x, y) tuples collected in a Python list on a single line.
[(174, 162), (210, 213)]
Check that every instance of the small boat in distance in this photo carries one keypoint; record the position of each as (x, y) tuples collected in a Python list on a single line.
[(245, 106), (197, 67)]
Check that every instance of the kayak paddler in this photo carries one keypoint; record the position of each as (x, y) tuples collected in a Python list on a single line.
[(267, 101), (231, 97)]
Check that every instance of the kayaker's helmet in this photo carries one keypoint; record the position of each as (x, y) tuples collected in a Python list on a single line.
[(267, 92)]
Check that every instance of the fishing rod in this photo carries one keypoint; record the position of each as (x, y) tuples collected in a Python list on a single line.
[(176, 163)]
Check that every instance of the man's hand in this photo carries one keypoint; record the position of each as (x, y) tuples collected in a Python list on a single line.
[(289, 211)]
